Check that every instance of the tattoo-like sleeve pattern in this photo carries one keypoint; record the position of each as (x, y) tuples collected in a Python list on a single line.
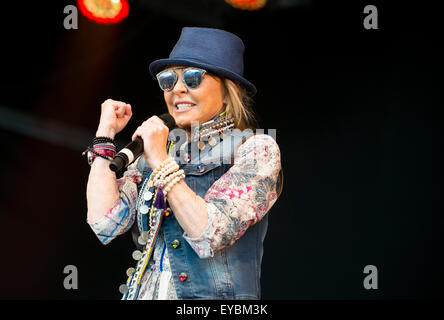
[(241, 197), (121, 216)]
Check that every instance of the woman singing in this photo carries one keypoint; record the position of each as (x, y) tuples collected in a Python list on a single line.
[(198, 219)]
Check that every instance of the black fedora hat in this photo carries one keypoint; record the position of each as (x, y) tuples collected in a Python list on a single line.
[(215, 50)]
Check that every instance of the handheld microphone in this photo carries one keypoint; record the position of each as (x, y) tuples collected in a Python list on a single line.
[(135, 148)]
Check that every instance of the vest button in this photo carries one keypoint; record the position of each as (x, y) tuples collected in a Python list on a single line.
[(175, 243), (200, 168), (183, 276)]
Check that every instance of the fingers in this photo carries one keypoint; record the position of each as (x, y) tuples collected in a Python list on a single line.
[(123, 110), (115, 115), (128, 111), (154, 121), (118, 109), (114, 103), (157, 120), (145, 131), (151, 127)]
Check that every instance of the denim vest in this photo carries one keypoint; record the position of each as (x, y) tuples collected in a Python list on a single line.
[(233, 272)]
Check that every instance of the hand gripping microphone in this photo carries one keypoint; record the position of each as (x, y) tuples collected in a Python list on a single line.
[(135, 148)]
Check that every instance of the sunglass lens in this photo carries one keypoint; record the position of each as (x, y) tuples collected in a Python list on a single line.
[(167, 80), (193, 78)]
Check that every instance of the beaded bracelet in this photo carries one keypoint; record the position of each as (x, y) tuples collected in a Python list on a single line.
[(159, 179), (172, 176), (98, 140), (164, 181), (163, 164), (161, 169), (175, 178), (168, 170), (166, 175)]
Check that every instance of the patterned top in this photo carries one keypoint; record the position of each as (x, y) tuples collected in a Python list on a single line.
[(236, 201)]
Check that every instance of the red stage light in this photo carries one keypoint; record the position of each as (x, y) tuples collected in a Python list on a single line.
[(104, 11), (247, 4)]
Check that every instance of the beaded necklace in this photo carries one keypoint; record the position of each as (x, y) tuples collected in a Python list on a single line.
[(218, 125), (149, 219)]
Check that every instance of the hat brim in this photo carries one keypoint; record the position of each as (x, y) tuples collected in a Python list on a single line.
[(158, 65)]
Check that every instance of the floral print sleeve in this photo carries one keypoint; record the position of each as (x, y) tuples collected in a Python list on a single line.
[(121, 216), (241, 197)]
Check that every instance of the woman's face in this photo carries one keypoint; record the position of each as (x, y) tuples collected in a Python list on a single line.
[(204, 102)]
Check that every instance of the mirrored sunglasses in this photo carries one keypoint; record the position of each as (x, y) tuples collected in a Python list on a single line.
[(192, 77)]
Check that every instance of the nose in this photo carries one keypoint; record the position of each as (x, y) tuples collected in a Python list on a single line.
[(180, 87)]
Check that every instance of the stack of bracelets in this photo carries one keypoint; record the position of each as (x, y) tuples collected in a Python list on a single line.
[(166, 175), (103, 147)]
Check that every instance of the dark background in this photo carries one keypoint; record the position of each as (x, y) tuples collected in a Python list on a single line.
[(357, 119)]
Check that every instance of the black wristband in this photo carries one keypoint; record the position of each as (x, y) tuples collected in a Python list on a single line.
[(98, 140)]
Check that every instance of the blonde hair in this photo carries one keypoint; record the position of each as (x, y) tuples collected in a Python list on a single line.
[(239, 105)]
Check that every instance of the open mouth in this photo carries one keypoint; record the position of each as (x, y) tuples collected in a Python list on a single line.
[(183, 107)]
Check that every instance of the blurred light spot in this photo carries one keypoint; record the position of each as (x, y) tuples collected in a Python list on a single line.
[(104, 11), (247, 4)]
